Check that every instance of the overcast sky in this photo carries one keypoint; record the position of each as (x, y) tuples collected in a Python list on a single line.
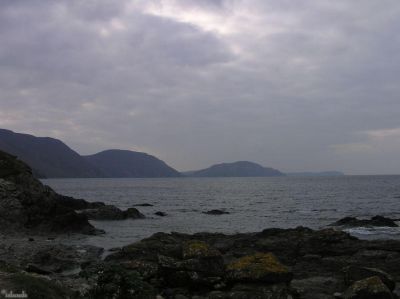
[(296, 85)]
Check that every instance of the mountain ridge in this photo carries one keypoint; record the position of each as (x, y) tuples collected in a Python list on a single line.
[(52, 158), (118, 163)]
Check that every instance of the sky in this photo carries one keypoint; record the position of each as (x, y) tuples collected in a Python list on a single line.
[(299, 85)]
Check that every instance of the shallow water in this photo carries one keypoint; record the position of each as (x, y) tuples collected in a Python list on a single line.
[(253, 203)]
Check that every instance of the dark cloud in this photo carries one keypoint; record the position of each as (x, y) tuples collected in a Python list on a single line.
[(297, 85)]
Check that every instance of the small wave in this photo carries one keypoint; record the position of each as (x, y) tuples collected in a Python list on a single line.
[(385, 230)]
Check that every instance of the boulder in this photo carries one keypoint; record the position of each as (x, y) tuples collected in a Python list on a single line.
[(259, 267), (133, 214), (354, 273), (368, 288)]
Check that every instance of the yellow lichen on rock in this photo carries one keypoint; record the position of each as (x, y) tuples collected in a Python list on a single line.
[(259, 267), (196, 249), (371, 287)]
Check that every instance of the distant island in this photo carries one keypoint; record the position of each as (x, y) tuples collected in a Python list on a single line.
[(321, 173), (235, 169)]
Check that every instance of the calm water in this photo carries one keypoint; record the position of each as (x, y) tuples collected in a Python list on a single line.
[(253, 203)]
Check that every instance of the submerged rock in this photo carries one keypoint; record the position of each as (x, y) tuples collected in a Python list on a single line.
[(143, 205), (161, 214), (378, 221), (216, 212)]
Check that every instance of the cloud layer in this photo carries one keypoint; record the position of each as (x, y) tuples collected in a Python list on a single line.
[(297, 85)]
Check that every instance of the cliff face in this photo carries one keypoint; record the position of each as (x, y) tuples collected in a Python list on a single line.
[(26, 204)]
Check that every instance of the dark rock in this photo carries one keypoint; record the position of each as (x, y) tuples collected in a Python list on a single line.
[(250, 291), (161, 214), (214, 265), (369, 288), (110, 212), (260, 267), (26, 204), (78, 204), (32, 268), (31, 286), (198, 249), (316, 287), (117, 282), (353, 274), (377, 221), (143, 205), (114, 249), (145, 268), (133, 213), (107, 212), (215, 212)]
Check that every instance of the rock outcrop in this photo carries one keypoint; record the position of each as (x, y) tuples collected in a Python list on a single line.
[(26, 204), (110, 212), (276, 263), (273, 264)]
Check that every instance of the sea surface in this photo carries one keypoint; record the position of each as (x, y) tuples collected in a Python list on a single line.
[(253, 203)]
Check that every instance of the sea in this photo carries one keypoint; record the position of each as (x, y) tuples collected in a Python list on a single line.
[(253, 204)]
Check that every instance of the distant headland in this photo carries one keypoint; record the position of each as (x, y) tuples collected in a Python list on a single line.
[(52, 158)]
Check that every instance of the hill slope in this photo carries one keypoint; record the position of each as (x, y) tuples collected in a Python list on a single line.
[(48, 157), (123, 163), (236, 169)]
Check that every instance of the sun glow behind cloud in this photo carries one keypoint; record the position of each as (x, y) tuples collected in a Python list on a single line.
[(204, 19)]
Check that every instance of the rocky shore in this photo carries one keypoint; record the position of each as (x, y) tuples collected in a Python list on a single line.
[(274, 263), (37, 260)]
